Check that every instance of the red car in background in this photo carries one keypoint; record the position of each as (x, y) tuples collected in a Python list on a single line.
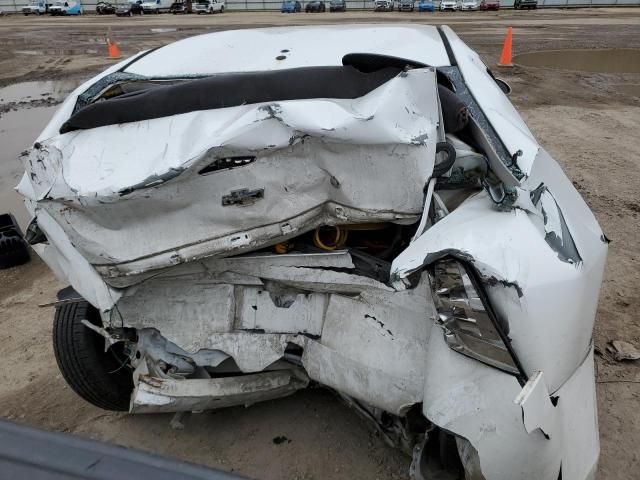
[(490, 5)]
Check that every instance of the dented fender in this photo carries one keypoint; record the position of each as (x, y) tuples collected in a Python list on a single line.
[(548, 303)]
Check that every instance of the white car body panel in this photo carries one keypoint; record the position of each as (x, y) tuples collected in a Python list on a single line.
[(192, 56), (134, 227), (345, 126)]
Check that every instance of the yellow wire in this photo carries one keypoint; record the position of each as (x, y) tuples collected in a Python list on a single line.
[(340, 239)]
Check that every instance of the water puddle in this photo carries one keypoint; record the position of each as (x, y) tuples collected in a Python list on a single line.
[(615, 60), (25, 109), (28, 91)]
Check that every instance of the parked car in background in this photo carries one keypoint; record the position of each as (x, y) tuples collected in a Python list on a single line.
[(105, 8), (338, 6), (528, 4), (36, 7), (490, 5), (406, 5), (383, 6), (181, 6), (451, 5), (209, 6), (315, 6), (426, 6), (469, 5), (66, 7), (129, 9), (290, 6), (156, 6)]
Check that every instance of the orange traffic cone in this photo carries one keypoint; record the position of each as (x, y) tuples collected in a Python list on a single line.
[(114, 51), (505, 57), (112, 47)]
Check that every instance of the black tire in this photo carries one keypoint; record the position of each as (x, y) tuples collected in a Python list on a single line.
[(97, 376), (13, 250)]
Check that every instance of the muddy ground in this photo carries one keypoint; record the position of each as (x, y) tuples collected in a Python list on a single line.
[(588, 121)]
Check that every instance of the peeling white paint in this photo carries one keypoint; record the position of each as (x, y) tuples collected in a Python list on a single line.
[(538, 411)]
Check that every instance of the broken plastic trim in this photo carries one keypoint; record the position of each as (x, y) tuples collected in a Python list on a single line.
[(465, 313), (227, 163), (152, 181), (557, 234)]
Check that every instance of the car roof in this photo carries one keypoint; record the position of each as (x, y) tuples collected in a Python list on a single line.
[(289, 47)]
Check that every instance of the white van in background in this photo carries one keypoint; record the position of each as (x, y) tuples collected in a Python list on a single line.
[(156, 6), (37, 7)]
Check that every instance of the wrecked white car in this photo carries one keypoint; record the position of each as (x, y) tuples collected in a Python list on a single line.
[(236, 224)]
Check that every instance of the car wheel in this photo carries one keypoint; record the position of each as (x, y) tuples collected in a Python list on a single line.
[(222, 9), (101, 378)]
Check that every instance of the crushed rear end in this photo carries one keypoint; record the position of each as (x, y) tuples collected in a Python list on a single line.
[(388, 227)]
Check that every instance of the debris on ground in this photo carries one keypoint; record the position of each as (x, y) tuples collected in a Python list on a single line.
[(622, 350)]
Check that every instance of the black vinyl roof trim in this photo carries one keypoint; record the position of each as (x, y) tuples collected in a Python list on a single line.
[(230, 90)]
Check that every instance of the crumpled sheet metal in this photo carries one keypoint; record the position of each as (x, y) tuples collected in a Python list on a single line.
[(157, 395), (463, 396), (126, 193), (151, 147), (503, 116), (550, 304), (369, 346)]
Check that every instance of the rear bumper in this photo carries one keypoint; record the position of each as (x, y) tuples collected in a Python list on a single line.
[(158, 395)]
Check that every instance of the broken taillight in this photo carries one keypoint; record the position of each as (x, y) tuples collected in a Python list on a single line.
[(470, 325)]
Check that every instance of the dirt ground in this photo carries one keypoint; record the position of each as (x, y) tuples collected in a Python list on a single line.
[(588, 121)]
